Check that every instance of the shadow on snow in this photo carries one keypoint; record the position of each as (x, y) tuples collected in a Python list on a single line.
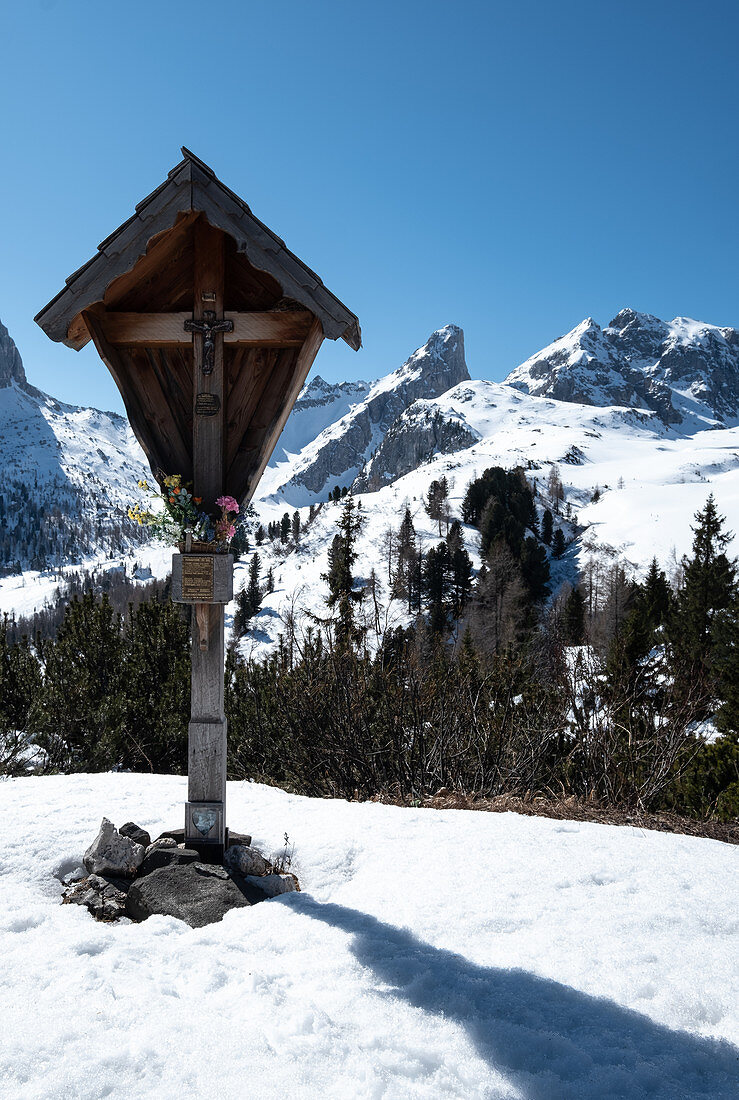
[(551, 1041)]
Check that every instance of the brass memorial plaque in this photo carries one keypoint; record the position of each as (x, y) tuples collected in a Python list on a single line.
[(207, 404), (197, 577)]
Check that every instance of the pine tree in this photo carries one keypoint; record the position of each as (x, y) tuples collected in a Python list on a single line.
[(435, 580), (249, 600), (573, 618), (406, 562), (20, 686), (555, 488), (437, 502), (460, 565), (342, 555), (547, 524), (285, 527), (296, 527), (156, 687), (709, 577), (558, 543)]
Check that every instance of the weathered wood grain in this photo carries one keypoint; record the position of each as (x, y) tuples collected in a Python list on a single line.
[(161, 329)]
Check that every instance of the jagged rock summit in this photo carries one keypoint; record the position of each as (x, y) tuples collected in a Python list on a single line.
[(341, 450), (11, 364), (685, 371)]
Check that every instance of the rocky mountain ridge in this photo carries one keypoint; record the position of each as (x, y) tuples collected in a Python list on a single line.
[(685, 371), (339, 453)]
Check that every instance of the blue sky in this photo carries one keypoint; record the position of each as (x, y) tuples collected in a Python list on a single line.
[(510, 167)]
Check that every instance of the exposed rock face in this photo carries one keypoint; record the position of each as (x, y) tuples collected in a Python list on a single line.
[(341, 450), (113, 854), (685, 371), (196, 893), (11, 364), (105, 898), (246, 860), (418, 433)]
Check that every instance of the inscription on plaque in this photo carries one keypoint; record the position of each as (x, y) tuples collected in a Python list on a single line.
[(207, 404), (197, 577)]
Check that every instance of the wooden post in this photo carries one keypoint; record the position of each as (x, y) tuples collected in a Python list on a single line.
[(205, 816)]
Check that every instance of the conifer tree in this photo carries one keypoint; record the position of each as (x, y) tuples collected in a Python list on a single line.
[(558, 543), (342, 555), (547, 525), (296, 528), (435, 579), (249, 599), (437, 501), (709, 577), (573, 618)]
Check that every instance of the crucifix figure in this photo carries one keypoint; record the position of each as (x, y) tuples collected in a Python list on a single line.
[(208, 327)]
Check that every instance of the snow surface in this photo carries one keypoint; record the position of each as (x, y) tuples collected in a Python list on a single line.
[(430, 954)]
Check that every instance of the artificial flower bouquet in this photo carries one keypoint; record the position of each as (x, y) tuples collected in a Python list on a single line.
[(174, 515)]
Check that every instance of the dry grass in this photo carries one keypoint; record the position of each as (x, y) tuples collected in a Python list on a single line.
[(570, 809)]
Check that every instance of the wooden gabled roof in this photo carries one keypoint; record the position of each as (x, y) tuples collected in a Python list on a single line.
[(191, 188)]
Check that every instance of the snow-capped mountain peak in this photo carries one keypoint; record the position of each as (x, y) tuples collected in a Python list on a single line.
[(684, 370), (337, 453)]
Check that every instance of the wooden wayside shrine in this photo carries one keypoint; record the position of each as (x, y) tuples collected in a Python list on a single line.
[(209, 326)]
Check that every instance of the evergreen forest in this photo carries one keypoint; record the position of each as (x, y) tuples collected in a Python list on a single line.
[(603, 694)]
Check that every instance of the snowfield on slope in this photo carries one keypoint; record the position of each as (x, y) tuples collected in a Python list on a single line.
[(651, 480), (430, 954)]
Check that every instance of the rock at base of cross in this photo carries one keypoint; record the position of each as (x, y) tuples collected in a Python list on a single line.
[(103, 896), (196, 893), (157, 857), (135, 833), (111, 853)]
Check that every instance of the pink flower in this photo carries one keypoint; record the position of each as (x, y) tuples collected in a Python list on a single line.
[(228, 504)]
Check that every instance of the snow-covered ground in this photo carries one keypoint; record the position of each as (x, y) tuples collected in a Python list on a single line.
[(431, 954)]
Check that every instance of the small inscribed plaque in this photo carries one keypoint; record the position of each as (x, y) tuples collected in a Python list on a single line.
[(207, 404), (197, 577)]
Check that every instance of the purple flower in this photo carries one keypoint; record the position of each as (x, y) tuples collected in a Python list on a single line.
[(228, 504)]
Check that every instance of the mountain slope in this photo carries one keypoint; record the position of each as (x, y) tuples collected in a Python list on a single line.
[(339, 452), (685, 371), (68, 474)]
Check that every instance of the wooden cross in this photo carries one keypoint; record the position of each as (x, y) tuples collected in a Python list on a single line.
[(208, 328)]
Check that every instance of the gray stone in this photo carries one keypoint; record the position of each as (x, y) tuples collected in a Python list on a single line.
[(157, 857), (163, 842), (177, 835), (103, 897), (135, 832), (238, 838), (246, 860), (196, 893), (113, 854), (273, 885)]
